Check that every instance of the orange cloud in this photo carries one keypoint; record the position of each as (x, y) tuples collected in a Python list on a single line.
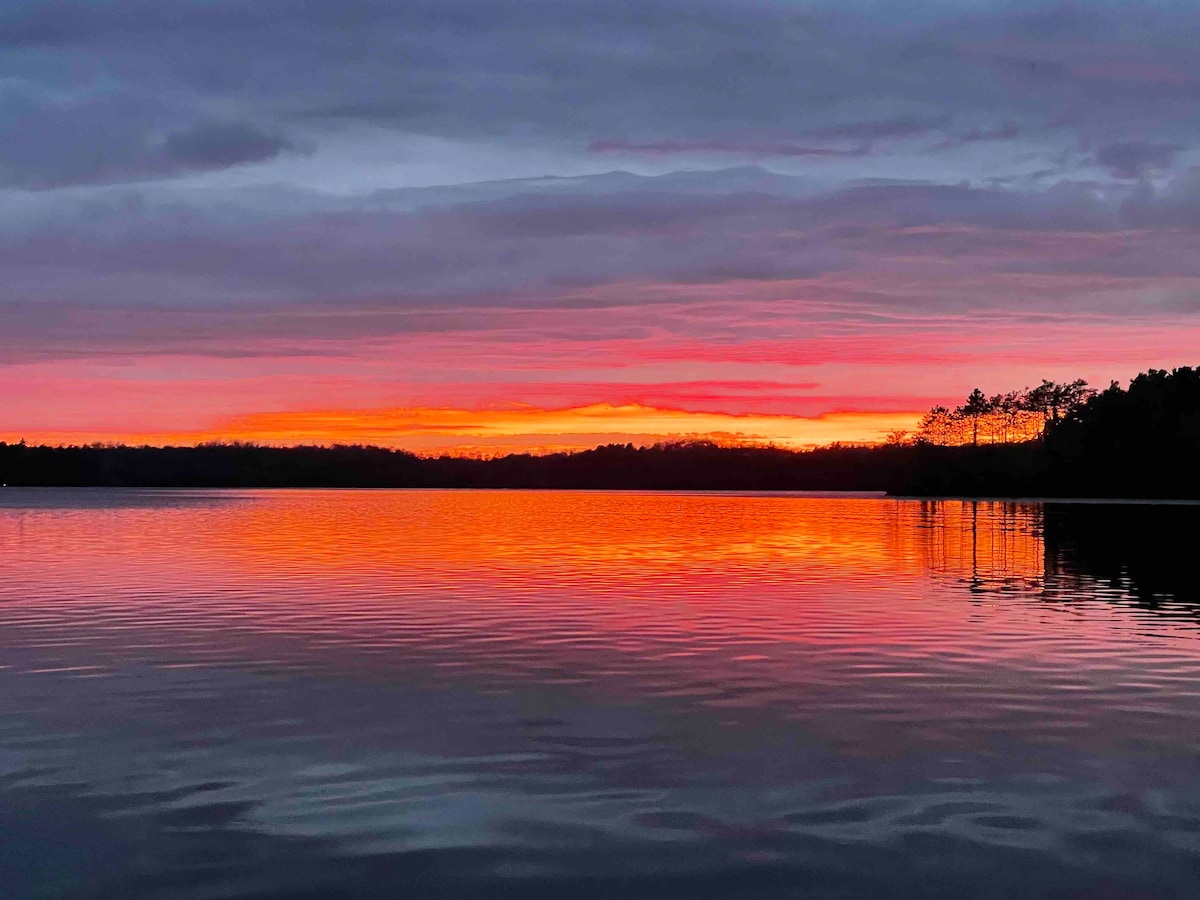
[(521, 428)]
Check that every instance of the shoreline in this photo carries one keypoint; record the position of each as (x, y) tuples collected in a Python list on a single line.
[(831, 493)]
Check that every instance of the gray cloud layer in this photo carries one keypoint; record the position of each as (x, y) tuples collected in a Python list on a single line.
[(124, 88), (883, 122), (1136, 159), (389, 266)]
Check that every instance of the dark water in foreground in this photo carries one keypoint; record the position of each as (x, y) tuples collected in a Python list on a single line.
[(545, 695)]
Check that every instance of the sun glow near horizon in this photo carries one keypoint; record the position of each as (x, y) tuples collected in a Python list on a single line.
[(515, 428)]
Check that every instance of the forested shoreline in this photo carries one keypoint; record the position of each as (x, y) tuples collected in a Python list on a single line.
[(1139, 441), (1123, 442)]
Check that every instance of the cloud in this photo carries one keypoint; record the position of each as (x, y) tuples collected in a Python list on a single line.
[(863, 134), (566, 73), (902, 127), (48, 141), (110, 137), (219, 145), (675, 148), (1136, 159), (394, 265), (1007, 132), (1174, 206)]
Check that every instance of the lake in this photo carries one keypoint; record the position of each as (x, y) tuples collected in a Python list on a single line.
[(344, 694)]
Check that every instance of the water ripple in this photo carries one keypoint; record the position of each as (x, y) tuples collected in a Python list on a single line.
[(245, 693)]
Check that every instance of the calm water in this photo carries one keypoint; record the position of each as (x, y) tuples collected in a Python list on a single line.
[(538, 695)]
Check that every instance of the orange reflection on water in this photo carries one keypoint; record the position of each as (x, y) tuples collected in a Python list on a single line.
[(867, 613), (989, 545), (815, 570), (635, 533)]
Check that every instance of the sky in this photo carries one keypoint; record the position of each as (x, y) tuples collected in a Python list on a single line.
[(480, 226)]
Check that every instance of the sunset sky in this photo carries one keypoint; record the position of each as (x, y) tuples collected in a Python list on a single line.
[(476, 226)]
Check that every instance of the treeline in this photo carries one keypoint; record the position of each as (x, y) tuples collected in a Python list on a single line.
[(1009, 418), (694, 465), (1140, 441)]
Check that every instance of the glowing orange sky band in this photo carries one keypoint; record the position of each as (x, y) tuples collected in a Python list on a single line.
[(516, 428)]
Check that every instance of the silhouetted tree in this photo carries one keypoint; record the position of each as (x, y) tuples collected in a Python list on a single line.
[(1055, 401), (1015, 416), (1144, 441), (976, 407)]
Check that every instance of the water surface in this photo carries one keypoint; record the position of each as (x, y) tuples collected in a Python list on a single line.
[(524, 694)]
